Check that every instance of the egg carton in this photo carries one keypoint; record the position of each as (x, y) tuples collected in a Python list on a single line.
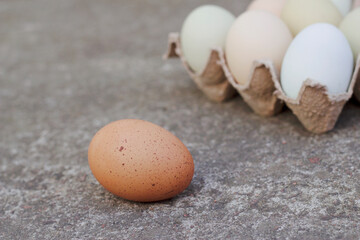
[(357, 85), (315, 107), (212, 81), (217, 82)]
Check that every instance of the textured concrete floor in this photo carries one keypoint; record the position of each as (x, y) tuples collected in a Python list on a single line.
[(69, 67)]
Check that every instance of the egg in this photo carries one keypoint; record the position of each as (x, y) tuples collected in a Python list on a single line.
[(298, 14), (273, 6), (255, 35), (344, 6), (321, 53), (350, 26), (205, 28), (140, 161), (356, 3)]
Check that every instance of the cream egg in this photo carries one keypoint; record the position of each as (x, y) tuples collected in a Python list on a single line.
[(321, 53), (205, 28), (298, 14), (273, 6), (255, 35), (140, 161), (350, 26)]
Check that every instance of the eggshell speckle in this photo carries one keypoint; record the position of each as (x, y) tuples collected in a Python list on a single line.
[(320, 53), (272, 6), (256, 35), (140, 161)]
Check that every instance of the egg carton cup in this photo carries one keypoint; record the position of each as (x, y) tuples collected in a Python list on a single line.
[(357, 75), (316, 109), (259, 90), (212, 81)]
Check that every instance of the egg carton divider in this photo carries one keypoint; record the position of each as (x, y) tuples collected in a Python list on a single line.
[(212, 81), (357, 75), (259, 90)]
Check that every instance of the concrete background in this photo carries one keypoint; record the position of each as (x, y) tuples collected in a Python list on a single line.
[(69, 67)]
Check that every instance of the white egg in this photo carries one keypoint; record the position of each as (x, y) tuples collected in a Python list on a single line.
[(205, 28), (321, 53), (344, 6)]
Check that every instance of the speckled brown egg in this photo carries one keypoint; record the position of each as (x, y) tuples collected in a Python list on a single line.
[(140, 161)]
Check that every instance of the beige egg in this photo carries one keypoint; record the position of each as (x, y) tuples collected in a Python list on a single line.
[(256, 35), (140, 161), (273, 6)]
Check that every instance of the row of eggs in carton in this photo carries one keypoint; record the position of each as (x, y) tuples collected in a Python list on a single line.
[(301, 53)]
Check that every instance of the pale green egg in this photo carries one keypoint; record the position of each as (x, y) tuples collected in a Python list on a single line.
[(205, 28)]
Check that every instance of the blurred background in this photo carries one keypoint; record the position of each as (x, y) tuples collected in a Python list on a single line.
[(69, 67)]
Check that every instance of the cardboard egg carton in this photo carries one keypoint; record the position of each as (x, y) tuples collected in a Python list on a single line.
[(357, 85), (316, 109), (258, 92), (212, 81), (219, 85)]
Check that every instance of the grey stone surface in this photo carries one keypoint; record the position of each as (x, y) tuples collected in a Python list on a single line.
[(69, 67)]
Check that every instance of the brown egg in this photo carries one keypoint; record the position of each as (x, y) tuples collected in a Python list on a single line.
[(140, 161)]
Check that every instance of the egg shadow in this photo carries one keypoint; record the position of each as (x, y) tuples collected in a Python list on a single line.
[(348, 119), (288, 118), (350, 116), (190, 192)]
